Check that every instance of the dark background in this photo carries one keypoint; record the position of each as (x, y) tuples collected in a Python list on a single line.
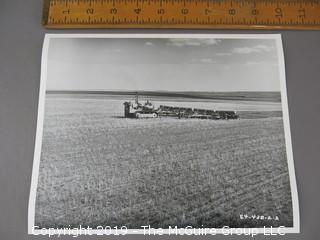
[(21, 37)]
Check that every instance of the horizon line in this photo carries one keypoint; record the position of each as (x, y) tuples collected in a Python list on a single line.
[(173, 91)]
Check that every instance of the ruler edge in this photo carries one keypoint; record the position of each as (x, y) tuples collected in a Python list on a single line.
[(191, 27), (45, 12), (46, 9)]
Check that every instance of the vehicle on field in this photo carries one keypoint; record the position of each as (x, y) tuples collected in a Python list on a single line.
[(137, 109)]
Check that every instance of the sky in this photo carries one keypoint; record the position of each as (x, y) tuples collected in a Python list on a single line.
[(163, 64)]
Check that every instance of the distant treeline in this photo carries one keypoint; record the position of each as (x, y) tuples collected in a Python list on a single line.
[(246, 96)]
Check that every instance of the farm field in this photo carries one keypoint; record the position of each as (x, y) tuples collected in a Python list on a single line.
[(99, 168)]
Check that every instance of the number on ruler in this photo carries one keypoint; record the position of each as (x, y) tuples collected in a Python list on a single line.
[(232, 11), (184, 11), (90, 11), (137, 10), (278, 12), (302, 13), (255, 12), (207, 11), (161, 11), (66, 11), (113, 11)]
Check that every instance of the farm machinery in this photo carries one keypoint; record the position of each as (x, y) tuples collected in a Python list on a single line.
[(148, 110), (138, 110)]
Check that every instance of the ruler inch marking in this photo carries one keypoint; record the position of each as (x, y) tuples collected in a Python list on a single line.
[(192, 14)]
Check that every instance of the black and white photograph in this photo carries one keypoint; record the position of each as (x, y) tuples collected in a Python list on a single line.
[(165, 131)]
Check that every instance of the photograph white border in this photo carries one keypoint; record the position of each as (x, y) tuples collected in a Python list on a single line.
[(284, 101)]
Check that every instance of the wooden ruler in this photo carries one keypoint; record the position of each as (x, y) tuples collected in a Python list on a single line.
[(184, 14)]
